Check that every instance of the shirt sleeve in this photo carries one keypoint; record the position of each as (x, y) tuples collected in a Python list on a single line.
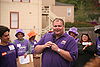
[(41, 42), (73, 49)]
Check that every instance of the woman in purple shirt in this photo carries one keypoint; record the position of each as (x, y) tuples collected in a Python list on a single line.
[(58, 48), (8, 52)]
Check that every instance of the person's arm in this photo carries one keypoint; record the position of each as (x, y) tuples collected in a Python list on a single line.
[(18, 63), (65, 54), (27, 49), (40, 48), (70, 52)]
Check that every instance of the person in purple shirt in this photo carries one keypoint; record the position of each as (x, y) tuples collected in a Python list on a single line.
[(73, 32), (97, 30), (22, 45), (58, 48), (8, 52)]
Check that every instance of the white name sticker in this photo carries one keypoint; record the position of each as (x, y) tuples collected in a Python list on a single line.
[(11, 47), (63, 42), (34, 42), (86, 43), (18, 45)]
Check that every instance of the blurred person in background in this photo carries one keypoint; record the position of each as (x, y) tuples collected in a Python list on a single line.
[(97, 30), (74, 33), (86, 50), (22, 47), (36, 57), (93, 62)]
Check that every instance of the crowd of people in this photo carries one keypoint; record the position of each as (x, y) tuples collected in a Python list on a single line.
[(58, 48)]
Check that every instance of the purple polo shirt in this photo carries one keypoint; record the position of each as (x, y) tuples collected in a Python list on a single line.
[(51, 58), (98, 45), (8, 55), (22, 46)]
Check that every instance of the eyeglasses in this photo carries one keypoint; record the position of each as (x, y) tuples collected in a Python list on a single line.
[(57, 25), (6, 35)]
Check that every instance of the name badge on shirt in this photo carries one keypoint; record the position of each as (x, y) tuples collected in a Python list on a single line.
[(4, 53), (63, 42), (33, 46), (86, 43), (34, 42), (18, 45), (98, 47), (23, 47), (11, 47)]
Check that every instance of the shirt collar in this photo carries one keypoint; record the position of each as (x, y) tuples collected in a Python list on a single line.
[(63, 35)]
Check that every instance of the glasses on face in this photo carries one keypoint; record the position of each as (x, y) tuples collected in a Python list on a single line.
[(57, 25), (6, 35)]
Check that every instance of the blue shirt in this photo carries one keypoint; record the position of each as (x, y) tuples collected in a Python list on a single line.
[(51, 58), (8, 55)]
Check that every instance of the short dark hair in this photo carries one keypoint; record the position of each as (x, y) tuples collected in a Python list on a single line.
[(3, 29), (21, 33), (57, 19)]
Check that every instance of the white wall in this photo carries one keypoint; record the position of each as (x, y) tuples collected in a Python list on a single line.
[(30, 15), (48, 2), (61, 11)]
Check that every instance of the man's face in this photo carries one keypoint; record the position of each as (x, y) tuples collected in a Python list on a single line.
[(5, 37), (58, 27)]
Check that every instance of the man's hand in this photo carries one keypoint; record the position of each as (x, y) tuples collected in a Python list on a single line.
[(48, 44), (54, 47)]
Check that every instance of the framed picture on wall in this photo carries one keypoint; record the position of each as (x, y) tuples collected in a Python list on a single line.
[(14, 20)]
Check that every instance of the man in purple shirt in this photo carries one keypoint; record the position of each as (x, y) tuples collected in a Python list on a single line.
[(8, 52), (58, 48)]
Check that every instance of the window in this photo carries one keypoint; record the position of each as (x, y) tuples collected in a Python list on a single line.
[(14, 20), (16, 0), (20, 0), (25, 0), (68, 11)]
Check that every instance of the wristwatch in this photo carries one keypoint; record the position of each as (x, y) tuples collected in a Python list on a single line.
[(59, 50)]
